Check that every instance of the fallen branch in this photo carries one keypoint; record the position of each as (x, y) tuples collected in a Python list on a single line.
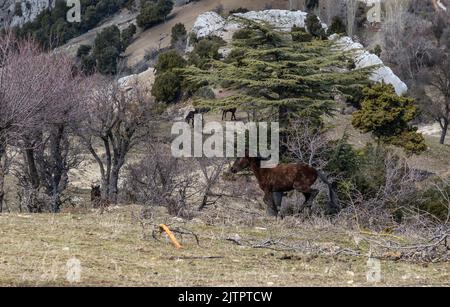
[(169, 233)]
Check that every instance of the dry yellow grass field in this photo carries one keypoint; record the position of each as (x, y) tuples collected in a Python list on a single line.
[(114, 250)]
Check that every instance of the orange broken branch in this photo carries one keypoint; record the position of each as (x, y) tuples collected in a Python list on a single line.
[(172, 238)]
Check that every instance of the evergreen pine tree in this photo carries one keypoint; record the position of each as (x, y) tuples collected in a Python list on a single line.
[(267, 70)]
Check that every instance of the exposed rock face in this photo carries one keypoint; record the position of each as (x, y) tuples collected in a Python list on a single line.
[(364, 58), (30, 10), (211, 23)]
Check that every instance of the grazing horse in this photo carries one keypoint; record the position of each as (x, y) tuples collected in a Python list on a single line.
[(190, 116), (96, 195), (284, 178), (232, 111), (97, 200)]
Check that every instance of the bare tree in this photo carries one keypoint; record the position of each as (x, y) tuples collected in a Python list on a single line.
[(438, 106), (30, 96), (407, 44), (159, 179), (352, 6), (115, 122), (211, 170), (306, 142)]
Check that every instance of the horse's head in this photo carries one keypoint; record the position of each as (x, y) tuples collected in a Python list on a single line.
[(240, 164)]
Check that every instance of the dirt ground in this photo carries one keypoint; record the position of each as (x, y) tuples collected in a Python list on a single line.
[(113, 249)]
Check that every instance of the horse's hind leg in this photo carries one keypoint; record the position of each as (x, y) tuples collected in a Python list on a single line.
[(277, 199), (309, 197), (272, 209)]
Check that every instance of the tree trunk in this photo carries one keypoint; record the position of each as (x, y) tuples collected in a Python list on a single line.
[(58, 166), (32, 169), (444, 132), (2, 173)]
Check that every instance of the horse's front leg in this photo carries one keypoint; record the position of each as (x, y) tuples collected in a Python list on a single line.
[(272, 209)]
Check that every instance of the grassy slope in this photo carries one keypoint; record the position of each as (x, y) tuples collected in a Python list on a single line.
[(112, 251)]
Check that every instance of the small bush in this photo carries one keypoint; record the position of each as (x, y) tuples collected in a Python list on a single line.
[(127, 36), (314, 26), (167, 87), (168, 61), (337, 26), (241, 10), (179, 33), (83, 50), (300, 35)]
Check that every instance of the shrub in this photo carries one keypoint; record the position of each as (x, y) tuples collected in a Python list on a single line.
[(387, 116), (127, 36), (107, 48), (168, 61), (153, 13), (300, 35), (18, 9), (207, 48), (337, 26), (88, 64), (241, 10), (179, 33), (242, 34), (107, 60), (314, 26), (83, 50), (167, 87)]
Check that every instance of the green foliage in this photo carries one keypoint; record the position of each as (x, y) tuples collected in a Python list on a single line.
[(107, 60), (168, 61), (83, 50), (205, 49), (244, 33), (434, 198), (127, 35), (167, 87), (18, 9), (88, 64), (241, 10), (314, 26), (387, 116), (342, 159), (51, 28), (107, 48), (293, 77), (300, 35), (205, 92), (377, 50), (153, 13), (178, 33), (337, 26), (256, 35)]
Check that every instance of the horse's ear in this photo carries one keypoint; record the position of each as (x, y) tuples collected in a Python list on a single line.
[(263, 159)]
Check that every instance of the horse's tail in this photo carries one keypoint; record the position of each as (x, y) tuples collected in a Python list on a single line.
[(332, 194)]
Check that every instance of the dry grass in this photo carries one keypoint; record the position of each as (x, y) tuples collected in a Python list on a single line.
[(112, 251)]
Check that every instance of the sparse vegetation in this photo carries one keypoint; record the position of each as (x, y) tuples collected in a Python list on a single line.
[(87, 165)]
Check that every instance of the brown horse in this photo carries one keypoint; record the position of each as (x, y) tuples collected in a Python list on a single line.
[(232, 111), (284, 178), (190, 116)]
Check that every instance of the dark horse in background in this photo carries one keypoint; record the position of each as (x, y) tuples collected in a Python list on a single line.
[(284, 178), (232, 111), (190, 116)]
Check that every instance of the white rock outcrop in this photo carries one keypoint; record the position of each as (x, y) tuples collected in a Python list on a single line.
[(363, 58), (211, 23)]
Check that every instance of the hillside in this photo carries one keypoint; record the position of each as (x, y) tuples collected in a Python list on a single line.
[(128, 176)]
